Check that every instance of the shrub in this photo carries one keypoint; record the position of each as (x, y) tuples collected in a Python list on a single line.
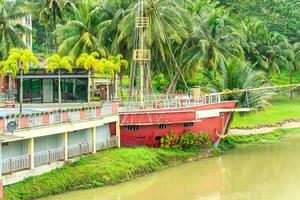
[(187, 140), (203, 140), (169, 140)]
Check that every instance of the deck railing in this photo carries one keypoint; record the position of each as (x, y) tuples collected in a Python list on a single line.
[(170, 101), (48, 157), (15, 164), (107, 143)]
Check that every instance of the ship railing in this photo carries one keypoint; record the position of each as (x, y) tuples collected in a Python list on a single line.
[(107, 143), (15, 164), (170, 101), (47, 157), (78, 150)]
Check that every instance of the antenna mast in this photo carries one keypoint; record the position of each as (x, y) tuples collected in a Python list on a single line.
[(141, 55)]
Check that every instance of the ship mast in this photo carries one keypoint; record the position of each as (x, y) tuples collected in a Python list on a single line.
[(141, 55)]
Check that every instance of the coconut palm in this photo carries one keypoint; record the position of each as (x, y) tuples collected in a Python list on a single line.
[(236, 74), (21, 60), (10, 12), (56, 63), (80, 34), (119, 63), (51, 11), (91, 63), (273, 53)]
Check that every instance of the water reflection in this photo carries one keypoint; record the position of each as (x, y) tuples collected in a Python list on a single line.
[(252, 172)]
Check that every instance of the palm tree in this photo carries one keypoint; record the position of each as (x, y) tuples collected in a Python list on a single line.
[(21, 60), (10, 12), (274, 52), (52, 10), (56, 62), (214, 39), (80, 34), (119, 63), (92, 64), (237, 74)]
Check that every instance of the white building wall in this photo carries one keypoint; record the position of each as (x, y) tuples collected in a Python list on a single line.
[(47, 143), (80, 137), (14, 149), (102, 132)]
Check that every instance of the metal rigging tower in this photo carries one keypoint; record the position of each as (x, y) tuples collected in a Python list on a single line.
[(141, 54)]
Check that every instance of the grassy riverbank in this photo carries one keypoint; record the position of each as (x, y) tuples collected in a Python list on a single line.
[(282, 108), (261, 138), (105, 168)]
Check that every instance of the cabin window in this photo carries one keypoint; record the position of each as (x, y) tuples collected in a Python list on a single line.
[(132, 127), (4, 144), (158, 138), (188, 124), (162, 126)]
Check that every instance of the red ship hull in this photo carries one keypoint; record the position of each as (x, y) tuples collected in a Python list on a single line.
[(145, 128)]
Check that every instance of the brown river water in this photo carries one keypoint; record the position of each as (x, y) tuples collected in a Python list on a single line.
[(256, 172)]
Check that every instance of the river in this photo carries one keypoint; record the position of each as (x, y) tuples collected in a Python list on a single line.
[(254, 172)]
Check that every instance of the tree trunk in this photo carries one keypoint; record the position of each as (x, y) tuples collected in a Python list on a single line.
[(59, 88), (9, 86), (131, 80), (21, 90), (89, 85), (121, 87), (93, 87), (47, 39), (291, 83), (107, 89), (116, 85), (172, 87)]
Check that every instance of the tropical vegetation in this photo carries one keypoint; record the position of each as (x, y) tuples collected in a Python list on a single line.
[(215, 45)]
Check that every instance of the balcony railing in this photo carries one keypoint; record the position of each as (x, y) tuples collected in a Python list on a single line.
[(15, 164), (54, 155), (48, 157), (58, 117), (78, 150)]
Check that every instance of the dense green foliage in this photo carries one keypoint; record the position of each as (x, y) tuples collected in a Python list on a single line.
[(202, 43), (186, 141), (282, 16), (280, 109), (105, 168)]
